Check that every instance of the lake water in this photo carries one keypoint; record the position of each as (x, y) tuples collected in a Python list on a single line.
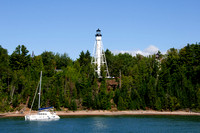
[(104, 124)]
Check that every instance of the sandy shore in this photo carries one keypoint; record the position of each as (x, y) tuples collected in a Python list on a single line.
[(104, 113)]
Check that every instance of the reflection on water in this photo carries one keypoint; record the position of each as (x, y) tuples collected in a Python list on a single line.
[(99, 123), (102, 124)]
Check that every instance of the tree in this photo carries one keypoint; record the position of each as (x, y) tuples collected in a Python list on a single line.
[(49, 62), (84, 58), (158, 105), (20, 58), (73, 105), (4, 64), (62, 61), (120, 105), (37, 66)]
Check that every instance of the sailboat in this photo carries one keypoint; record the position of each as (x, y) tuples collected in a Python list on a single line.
[(43, 114)]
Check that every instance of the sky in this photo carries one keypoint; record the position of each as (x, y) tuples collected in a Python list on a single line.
[(69, 26)]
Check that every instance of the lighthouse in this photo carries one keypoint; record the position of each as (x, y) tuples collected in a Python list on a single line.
[(99, 58)]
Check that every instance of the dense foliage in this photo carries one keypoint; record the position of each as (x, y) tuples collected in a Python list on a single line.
[(168, 82)]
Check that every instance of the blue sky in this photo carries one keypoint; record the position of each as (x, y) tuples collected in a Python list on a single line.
[(69, 26)]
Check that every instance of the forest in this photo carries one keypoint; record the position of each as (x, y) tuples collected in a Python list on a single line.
[(168, 81)]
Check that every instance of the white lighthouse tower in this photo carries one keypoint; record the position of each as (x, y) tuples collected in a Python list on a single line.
[(99, 58)]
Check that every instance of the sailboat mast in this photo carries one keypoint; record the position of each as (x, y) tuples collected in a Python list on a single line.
[(40, 90)]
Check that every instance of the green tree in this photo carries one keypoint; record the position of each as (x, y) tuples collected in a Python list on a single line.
[(120, 105), (4, 64), (20, 58), (49, 62), (158, 105), (73, 105)]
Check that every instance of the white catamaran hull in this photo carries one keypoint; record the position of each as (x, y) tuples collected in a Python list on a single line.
[(40, 117)]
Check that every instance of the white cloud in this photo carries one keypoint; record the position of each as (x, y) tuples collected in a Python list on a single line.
[(148, 51)]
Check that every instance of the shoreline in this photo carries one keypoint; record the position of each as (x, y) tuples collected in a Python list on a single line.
[(105, 113)]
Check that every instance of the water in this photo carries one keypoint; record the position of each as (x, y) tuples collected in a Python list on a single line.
[(105, 124)]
